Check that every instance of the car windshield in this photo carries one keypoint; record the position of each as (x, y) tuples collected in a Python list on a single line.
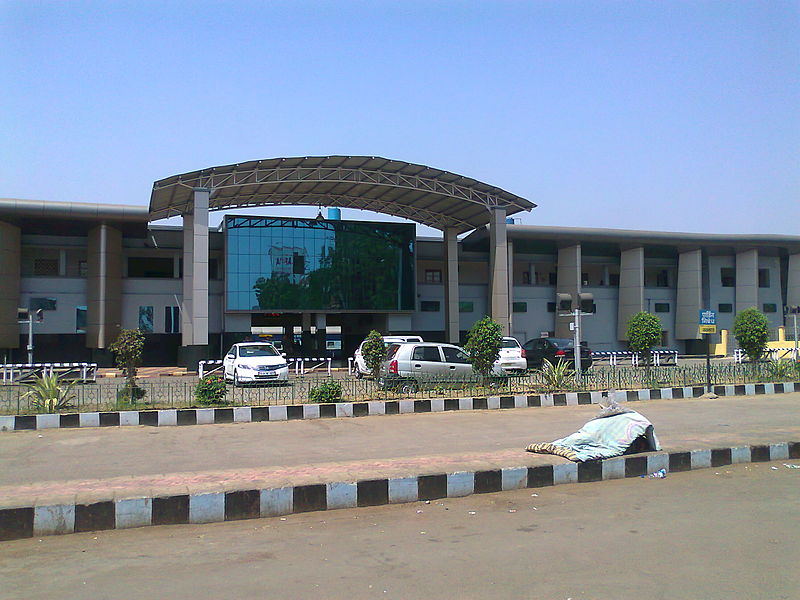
[(510, 343), (260, 350), (562, 343)]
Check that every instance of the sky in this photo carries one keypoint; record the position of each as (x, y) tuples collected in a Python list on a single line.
[(664, 115)]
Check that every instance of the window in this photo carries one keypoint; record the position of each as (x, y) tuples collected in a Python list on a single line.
[(429, 306), (172, 319), (298, 264), (526, 278), (426, 353), (519, 307), (433, 276), (763, 278), (662, 307), (662, 280), (80, 319), (552, 278), (664, 338), (83, 268), (45, 267), (42, 304), (466, 307), (146, 319), (727, 277), (551, 307), (613, 279), (770, 308), (140, 266), (454, 355), (725, 308)]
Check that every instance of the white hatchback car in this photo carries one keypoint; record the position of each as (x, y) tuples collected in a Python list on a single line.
[(512, 358), (254, 362), (360, 365)]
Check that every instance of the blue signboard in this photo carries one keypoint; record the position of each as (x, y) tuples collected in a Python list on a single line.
[(708, 317)]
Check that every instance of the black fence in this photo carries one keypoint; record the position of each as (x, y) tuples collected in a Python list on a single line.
[(106, 396)]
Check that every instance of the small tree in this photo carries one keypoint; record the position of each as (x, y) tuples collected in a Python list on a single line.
[(751, 330), (373, 351), (483, 345), (644, 332), (128, 347)]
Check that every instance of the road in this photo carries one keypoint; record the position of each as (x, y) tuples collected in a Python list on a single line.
[(731, 532)]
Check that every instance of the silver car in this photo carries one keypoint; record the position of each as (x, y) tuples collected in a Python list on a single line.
[(407, 366)]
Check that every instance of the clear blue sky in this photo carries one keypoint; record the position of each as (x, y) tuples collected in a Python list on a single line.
[(680, 116)]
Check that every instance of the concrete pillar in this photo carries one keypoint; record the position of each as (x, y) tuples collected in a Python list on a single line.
[(631, 289), (306, 338), (510, 286), (568, 281), (793, 281), (188, 259), (498, 251), (103, 286), (690, 295), (452, 326), (10, 250), (746, 280), (195, 272)]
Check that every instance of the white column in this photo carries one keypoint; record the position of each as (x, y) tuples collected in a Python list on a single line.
[(568, 281), (690, 294), (498, 250), (195, 271), (746, 280), (452, 325), (631, 289)]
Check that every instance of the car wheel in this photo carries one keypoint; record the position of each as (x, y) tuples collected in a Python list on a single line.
[(410, 387)]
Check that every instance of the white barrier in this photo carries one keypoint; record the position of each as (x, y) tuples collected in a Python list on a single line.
[(783, 352), (301, 366), (77, 371), (660, 357)]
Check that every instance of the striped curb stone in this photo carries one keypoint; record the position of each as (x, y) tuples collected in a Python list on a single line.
[(248, 414), (218, 506)]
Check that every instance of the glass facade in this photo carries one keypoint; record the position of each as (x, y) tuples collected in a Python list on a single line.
[(276, 263)]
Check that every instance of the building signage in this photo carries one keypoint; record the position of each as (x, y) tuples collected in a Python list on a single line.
[(705, 329), (708, 317)]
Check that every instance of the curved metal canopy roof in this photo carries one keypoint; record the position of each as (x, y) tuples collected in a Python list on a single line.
[(423, 194)]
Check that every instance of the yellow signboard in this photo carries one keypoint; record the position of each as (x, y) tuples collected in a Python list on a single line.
[(708, 329)]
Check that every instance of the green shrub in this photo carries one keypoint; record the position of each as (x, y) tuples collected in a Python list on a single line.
[(373, 351), (210, 390), (325, 392), (557, 377), (49, 394), (129, 395), (751, 330), (483, 345), (644, 332)]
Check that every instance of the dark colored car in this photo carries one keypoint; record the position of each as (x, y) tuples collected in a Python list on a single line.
[(555, 349)]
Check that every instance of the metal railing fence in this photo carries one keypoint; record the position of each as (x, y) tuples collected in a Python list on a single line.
[(161, 394)]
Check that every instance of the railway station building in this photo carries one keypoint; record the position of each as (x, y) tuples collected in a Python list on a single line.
[(318, 286)]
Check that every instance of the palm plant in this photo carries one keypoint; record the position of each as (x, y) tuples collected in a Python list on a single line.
[(558, 376), (50, 394)]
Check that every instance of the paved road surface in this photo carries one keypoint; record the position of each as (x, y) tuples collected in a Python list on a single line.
[(732, 532), (28, 457)]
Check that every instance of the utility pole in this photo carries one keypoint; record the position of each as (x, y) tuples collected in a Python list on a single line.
[(580, 306), (26, 316)]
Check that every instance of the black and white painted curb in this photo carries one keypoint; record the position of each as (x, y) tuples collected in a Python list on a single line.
[(248, 414), (212, 507)]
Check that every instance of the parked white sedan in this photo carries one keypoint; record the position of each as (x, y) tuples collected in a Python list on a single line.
[(254, 362), (512, 358)]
